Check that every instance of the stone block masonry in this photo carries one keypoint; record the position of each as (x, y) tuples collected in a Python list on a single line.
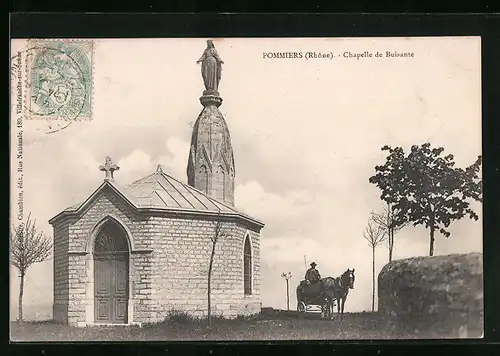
[(168, 264), (443, 293), (73, 258), (181, 262), (61, 272)]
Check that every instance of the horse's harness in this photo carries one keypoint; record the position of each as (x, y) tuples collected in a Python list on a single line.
[(341, 285)]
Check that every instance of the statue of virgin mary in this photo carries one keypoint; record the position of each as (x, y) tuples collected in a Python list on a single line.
[(211, 68)]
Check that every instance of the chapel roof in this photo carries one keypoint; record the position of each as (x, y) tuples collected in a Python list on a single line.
[(161, 192)]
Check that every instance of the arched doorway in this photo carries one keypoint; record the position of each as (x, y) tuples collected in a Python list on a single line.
[(111, 263)]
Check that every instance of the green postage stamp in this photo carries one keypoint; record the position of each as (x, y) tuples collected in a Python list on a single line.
[(59, 79)]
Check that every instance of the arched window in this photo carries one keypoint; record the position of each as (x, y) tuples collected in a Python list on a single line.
[(247, 267), (111, 239)]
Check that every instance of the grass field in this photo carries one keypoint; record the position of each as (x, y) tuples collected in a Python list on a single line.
[(271, 325)]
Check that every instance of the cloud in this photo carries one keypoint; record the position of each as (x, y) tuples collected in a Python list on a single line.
[(173, 160), (255, 200), (176, 162), (136, 165)]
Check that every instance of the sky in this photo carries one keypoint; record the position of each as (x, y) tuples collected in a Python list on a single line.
[(306, 136)]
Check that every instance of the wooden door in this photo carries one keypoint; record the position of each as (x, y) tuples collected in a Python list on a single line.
[(111, 288), (111, 255), (120, 293)]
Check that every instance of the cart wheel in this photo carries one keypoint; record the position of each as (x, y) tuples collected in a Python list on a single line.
[(301, 308)]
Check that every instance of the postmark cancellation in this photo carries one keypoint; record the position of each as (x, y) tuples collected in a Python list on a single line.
[(59, 79)]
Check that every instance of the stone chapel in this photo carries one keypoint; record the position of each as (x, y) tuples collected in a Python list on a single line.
[(131, 254)]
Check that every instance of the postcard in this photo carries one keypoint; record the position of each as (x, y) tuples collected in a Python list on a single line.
[(246, 189)]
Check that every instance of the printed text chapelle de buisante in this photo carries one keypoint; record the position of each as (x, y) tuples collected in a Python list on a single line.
[(331, 55)]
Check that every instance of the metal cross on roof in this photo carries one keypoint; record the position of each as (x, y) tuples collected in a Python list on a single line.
[(109, 167)]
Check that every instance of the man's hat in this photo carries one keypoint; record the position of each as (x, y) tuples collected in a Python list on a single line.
[(313, 264)]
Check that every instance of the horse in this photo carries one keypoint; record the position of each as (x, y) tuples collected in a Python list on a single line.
[(337, 289), (330, 285)]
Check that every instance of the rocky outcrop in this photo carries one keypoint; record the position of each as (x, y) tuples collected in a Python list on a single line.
[(442, 293)]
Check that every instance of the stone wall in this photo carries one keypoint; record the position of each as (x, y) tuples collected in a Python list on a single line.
[(77, 289), (61, 273), (168, 265), (180, 269), (141, 266), (78, 253), (442, 293), (109, 204)]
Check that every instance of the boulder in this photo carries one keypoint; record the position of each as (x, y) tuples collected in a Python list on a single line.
[(441, 294)]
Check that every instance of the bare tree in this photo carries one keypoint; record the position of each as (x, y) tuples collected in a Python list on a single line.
[(287, 277), (219, 232), (28, 246), (375, 235), (386, 220)]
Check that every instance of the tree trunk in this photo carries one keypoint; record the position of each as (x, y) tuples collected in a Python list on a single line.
[(209, 289), (431, 247), (390, 221), (391, 243), (287, 296), (21, 292), (373, 279)]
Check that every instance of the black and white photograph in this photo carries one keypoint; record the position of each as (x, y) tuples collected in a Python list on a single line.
[(180, 189)]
